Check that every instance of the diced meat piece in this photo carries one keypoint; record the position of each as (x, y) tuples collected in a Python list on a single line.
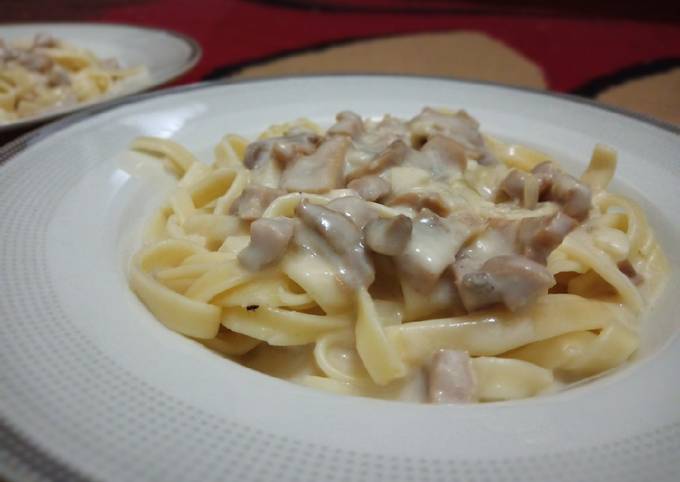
[(257, 154), (45, 40), (445, 155), (433, 246), (478, 290), (356, 209), (283, 149), (450, 378), (58, 77), (389, 236), (269, 238), (423, 200), (392, 127), (348, 124), (487, 158), (545, 172), (513, 184), (35, 61), (8, 53), (573, 195), (320, 171), (253, 201), (499, 237), (371, 188), (629, 270), (521, 186), (110, 64), (343, 237), (514, 280), (540, 236), (393, 155), (340, 232), (460, 127)]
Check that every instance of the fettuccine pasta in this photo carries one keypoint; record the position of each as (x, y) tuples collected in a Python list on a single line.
[(47, 74), (415, 260)]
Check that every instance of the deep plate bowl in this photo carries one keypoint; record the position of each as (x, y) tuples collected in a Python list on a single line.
[(92, 385), (164, 53)]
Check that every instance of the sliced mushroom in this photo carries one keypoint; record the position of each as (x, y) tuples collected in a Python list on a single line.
[(320, 171), (514, 280), (348, 124), (344, 239), (433, 246), (389, 236), (421, 199), (269, 238), (450, 378), (371, 188), (356, 209), (393, 155), (284, 149), (253, 201)]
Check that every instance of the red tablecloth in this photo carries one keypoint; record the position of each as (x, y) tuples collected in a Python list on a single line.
[(626, 54)]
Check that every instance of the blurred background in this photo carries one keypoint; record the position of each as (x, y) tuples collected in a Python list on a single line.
[(626, 54)]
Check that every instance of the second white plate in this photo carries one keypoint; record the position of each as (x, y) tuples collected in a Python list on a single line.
[(164, 53)]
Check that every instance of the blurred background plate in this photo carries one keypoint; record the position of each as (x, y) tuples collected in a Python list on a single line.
[(165, 54)]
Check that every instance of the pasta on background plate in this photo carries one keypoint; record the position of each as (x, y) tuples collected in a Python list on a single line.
[(46, 74), (414, 260)]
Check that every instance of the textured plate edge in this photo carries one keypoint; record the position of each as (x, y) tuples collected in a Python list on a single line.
[(18, 448), (195, 55)]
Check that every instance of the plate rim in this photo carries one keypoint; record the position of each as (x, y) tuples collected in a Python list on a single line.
[(27, 457), (195, 55)]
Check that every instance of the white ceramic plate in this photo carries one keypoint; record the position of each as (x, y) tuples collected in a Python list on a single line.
[(91, 385), (166, 55)]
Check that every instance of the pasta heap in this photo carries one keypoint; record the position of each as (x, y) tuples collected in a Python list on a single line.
[(47, 74), (414, 260)]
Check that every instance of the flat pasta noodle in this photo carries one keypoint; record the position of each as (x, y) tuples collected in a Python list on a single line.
[(376, 351), (582, 353), (601, 169), (276, 291), (579, 246), (281, 327), (318, 280), (230, 343), (229, 152), (507, 379), (331, 289), (497, 331), (177, 312)]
